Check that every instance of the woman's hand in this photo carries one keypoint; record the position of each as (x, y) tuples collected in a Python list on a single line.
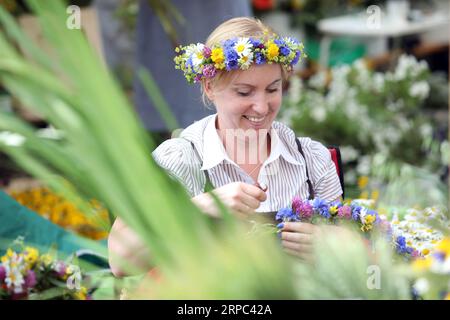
[(242, 198), (297, 239), (124, 245)]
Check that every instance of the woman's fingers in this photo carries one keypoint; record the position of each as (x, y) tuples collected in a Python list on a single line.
[(296, 246), (300, 227), (297, 237), (250, 201), (254, 192)]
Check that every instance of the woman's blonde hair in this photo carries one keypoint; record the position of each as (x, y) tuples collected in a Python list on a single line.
[(236, 28)]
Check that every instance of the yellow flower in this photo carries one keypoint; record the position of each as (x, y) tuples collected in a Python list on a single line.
[(217, 56), (31, 255), (422, 264), (272, 50), (425, 252), (333, 210), (7, 256), (375, 195), (81, 294), (364, 195), (444, 246), (363, 181)]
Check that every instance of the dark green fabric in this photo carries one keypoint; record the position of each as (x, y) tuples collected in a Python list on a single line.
[(17, 220)]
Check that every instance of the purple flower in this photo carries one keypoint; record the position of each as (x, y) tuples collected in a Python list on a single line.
[(30, 279), (296, 58), (206, 52), (231, 57), (356, 212), (401, 246), (320, 206), (303, 208), (2, 273), (285, 51), (60, 268), (286, 214), (256, 42), (259, 58), (440, 256), (209, 71), (345, 212), (197, 78)]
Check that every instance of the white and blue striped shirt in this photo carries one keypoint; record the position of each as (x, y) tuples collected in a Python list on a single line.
[(284, 171)]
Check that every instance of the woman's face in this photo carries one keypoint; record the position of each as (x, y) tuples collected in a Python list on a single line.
[(251, 100)]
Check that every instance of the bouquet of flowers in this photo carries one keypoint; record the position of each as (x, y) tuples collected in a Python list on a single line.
[(318, 210), (356, 211), (415, 230), (27, 274), (434, 273)]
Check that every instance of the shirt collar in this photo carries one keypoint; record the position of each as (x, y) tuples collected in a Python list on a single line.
[(214, 152)]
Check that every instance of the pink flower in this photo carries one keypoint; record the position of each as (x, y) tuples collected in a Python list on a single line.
[(209, 71), (302, 208), (2, 273), (30, 279), (345, 212), (197, 78), (60, 269), (206, 52)]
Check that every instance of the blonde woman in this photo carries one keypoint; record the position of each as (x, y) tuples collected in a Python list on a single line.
[(253, 163)]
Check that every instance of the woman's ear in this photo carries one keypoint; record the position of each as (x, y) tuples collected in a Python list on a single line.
[(208, 89)]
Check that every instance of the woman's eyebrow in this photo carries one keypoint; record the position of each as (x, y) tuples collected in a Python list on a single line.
[(252, 86)]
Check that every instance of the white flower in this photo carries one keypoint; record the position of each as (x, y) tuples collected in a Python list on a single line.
[(295, 89), (422, 286), (319, 80), (15, 268), (195, 54), (243, 47), (420, 90), (246, 61), (318, 113), (378, 81), (349, 153)]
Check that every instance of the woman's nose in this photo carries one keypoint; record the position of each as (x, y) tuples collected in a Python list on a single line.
[(261, 105)]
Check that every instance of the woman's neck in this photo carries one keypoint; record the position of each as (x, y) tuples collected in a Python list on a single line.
[(246, 148)]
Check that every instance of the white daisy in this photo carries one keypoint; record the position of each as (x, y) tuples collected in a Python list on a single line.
[(245, 61), (195, 54), (243, 47)]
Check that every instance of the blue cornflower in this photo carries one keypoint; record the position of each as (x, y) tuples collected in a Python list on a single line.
[(259, 58), (401, 245), (286, 214), (255, 42), (356, 212), (320, 206), (296, 58)]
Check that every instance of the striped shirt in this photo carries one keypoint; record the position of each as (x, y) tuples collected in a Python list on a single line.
[(284, 171)]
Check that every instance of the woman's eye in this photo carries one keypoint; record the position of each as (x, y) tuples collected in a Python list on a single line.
[(243, 94), (272, 90)]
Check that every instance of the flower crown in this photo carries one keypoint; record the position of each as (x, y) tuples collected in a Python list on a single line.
[(197, 61)]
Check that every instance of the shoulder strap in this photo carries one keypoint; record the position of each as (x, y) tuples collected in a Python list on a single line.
[(308, 181), (208, 185)]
